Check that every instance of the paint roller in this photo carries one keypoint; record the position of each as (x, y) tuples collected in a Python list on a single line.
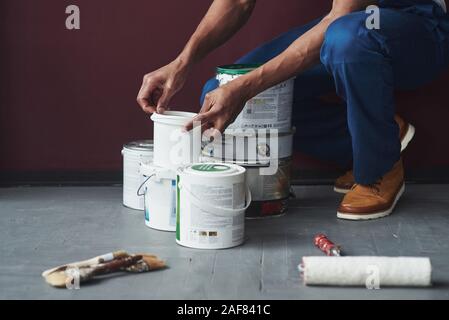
[(336, 270)]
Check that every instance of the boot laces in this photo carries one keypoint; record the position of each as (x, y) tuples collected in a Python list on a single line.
[(375, 187)]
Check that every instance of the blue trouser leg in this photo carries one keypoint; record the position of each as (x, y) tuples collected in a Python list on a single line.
[(321, 126), (408, 50)]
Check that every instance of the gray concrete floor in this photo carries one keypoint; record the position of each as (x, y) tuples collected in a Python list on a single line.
[(43, 227)]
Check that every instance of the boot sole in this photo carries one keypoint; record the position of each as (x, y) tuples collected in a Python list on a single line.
[(342, 191), (375, 215), (408, 137), (404, 143)]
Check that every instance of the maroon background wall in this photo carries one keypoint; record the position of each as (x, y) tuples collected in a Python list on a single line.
[(67, 98)]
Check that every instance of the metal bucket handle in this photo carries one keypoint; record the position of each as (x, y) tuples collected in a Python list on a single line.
[(143, 184), (214, 210)]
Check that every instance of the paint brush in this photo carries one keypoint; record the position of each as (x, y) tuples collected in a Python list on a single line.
[(89, 262), (148, 263), (61, 278)]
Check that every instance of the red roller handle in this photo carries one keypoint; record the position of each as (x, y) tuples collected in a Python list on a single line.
[(325, 245)]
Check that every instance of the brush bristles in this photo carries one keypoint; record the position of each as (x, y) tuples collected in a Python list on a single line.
[(153, 262), (57, 279)]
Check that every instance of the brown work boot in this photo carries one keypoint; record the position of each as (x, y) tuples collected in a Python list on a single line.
[(344, 183), (374, 201)]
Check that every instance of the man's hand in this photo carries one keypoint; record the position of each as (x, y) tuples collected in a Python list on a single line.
[(222, 20), (220, 108), (160, 86)]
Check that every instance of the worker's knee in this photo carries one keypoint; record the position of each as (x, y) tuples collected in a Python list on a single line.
[(347, 40)]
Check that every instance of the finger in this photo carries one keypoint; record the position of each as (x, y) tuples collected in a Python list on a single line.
[(207, 103), (202, 119), (220, 126), (144, 97), (164, 100), (155, 96), (146, 107)]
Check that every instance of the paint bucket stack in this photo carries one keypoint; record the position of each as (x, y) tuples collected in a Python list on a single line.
[(172, 149), (260, 140), (204, 203)]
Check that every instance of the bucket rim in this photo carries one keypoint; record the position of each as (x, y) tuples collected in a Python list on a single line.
[(173, 117), (237, 69), (139, 145), (189, 170)]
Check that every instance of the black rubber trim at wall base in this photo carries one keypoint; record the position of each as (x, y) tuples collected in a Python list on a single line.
[(61, 178), (107, 178)]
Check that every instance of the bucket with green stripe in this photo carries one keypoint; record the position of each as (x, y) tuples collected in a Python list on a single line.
[(271, 109), (211, 203)]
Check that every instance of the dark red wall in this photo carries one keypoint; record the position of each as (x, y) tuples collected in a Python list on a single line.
[(67, 98)]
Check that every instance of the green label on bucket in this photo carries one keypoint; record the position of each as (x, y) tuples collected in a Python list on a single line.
[(210, 167)]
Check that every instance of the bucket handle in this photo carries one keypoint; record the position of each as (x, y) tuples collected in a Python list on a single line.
[(144, 183), (214, 210)]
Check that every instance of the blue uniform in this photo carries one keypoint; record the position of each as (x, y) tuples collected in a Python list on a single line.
[(363, 67)]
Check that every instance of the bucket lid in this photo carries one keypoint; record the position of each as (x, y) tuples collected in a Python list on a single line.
[(236, 69), (179, 118), (141, 145), (213, 169)]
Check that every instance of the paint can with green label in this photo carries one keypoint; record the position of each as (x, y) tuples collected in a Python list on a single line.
[(271, 109), (211, 202)]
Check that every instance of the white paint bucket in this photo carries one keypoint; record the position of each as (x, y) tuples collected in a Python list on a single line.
[(173, 147), (159, 190), (133, 154), (211, 203), (269, 193), (271, 109)]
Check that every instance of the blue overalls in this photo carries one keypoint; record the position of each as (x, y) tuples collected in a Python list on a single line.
[(363, 67)]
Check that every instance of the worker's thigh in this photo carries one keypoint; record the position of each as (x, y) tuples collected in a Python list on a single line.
[(416, 41)]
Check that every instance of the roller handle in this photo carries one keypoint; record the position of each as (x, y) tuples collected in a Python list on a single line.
[(328, 247)]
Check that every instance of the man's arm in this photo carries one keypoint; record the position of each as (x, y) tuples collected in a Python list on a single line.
[(224, 104), (223, 19), (302, 54)]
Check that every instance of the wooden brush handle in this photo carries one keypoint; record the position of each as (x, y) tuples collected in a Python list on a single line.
[(116, 265)]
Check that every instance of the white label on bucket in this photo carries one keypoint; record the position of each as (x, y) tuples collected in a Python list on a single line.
[(226, 197), (270, 109), (206, 230)]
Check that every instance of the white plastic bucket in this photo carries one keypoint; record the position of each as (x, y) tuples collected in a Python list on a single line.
[(271, 109), (133, 154), (173, 147), (270, 193), (211, 203), (159, 190)]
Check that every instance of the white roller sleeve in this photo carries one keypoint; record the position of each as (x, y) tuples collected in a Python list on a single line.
[(354, 271)]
